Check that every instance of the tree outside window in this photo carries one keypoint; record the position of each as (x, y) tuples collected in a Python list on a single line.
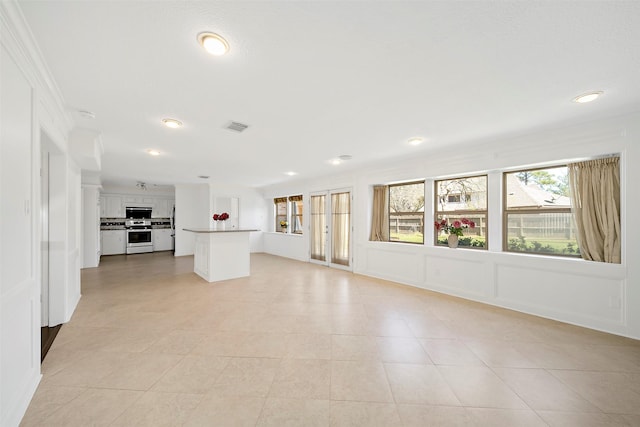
[(406, 212)]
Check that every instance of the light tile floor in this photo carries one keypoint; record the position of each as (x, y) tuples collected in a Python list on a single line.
[(296, 344)]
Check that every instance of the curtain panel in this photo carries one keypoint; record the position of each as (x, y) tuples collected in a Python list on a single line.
[(380, 214), (340, 227), (595, 204), (318, 226)]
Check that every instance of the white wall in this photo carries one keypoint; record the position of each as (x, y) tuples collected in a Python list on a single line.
[(31, 106), (252, 210), (90, 242), (19, 284), (595, 295), (292, 245), (192, 211)]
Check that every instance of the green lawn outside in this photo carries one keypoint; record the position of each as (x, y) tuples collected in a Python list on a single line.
[(407, 237), (567, 247)]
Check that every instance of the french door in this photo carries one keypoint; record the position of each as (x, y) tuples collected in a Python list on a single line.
[(330, 214)]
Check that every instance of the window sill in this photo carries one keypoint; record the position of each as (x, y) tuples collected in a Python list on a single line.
[(284, 234)]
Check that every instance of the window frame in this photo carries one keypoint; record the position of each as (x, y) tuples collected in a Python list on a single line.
[(278, 217), (292, 216), (465, 212), (506, 211), (400, 184)]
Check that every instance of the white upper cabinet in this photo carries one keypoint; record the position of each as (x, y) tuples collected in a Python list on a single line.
[(162, 208), (114, 205), (111, 206)]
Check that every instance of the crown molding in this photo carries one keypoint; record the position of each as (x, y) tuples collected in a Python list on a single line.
[(16, 37)]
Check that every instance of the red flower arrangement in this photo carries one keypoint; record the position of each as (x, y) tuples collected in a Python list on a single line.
[(456, 227), (221, 217)]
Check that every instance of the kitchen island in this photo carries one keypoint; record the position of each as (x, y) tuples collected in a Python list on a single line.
[(221, 254)]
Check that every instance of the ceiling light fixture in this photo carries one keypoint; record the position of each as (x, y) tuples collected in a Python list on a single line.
[(153, 152), (213, 43), (336, 162), (291, 173), (345, 157), (587, 97), (172, 123), (415, 140)]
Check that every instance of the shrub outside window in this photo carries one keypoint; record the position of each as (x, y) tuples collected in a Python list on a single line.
[(459, 198), (537, 212), (406, 212)]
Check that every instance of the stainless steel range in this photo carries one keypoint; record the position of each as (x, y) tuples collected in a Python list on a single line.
[(139, 234)]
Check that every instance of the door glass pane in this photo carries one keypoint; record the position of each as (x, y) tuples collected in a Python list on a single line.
[(318, 226), (340, 228)]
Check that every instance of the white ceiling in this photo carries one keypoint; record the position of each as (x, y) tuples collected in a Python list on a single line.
[(315, 80)]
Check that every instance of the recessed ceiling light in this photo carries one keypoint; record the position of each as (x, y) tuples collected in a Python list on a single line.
[(336, 162), (291, 173), (345, 157), (213, 43), (415, 140), (153, 152), (587, 97), (172, 123), (203, 176)]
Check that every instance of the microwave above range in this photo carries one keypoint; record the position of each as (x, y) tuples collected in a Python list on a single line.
[(138, 212)]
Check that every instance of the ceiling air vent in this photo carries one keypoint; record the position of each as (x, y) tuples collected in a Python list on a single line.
[(237, 126)]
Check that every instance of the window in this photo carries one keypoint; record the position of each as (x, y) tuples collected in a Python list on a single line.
[(296, 206), (288, 214), (280, 216), (537, 212), (460, 198), (406, 212)]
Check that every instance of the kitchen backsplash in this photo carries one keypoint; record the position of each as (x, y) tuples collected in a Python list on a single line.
[(118, 223)]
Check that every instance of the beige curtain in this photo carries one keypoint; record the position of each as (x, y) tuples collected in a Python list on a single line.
[(595, 203), (340, 227), (318, 227), (380, 214)]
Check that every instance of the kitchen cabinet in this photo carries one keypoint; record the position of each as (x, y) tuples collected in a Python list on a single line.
[(113, 242), (162, 208), (138, 201), (111, 206), (162, 240)]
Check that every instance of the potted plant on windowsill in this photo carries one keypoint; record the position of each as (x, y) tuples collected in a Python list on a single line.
[(283, 226), (454, 229)]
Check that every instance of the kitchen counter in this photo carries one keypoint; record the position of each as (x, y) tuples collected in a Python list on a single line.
[(221, 254)]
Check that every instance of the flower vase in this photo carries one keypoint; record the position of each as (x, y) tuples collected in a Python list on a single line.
[(452, 240), (222, 225)]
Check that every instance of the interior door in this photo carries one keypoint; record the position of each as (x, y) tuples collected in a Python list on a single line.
[(330, 214)]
